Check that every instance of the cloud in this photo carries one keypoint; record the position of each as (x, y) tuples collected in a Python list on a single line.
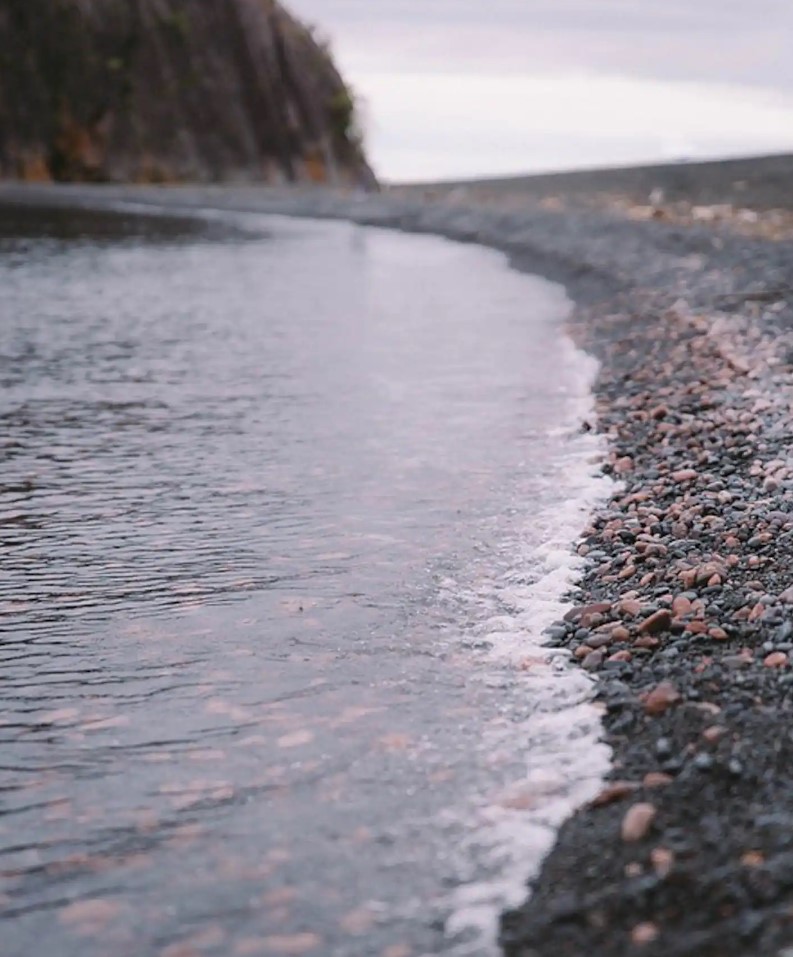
[(710, 40), (468, 87), (468, 126)]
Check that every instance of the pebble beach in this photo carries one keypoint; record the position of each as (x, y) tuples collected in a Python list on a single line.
[(684, 616)]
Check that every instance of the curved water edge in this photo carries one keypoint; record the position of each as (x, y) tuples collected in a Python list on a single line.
[(476, 509)]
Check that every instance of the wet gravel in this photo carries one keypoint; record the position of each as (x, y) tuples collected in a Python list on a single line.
[(685, 615), (689, 627)]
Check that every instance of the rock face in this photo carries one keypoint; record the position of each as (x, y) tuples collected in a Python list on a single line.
[(170, 91)]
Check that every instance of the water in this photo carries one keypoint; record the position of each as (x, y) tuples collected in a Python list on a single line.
[(284, 508)]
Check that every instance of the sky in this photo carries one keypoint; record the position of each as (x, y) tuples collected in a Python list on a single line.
[(466, 88)]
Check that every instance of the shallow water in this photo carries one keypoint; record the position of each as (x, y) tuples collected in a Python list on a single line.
[(283, 510)]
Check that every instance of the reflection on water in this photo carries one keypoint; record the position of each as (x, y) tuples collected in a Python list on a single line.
[(251, 486)]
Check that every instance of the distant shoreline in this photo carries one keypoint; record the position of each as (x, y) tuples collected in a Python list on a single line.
[(753, 196), (762, 182)]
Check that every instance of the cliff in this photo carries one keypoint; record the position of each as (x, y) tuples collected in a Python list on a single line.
[(171, 91)]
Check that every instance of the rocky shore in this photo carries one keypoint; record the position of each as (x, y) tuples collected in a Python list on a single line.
[(685, 615)]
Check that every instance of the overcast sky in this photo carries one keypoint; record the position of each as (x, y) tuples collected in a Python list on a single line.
[(472, 87)]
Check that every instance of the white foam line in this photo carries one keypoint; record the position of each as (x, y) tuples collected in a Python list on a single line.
[(559, 742)]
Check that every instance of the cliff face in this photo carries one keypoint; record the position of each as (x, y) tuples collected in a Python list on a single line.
[(169, 91)]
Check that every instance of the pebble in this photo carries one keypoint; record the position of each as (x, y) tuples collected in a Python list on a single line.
[(645, 933), (599, 641), (744, 660), (586, 611), (681, 606), (630, 607), (753, 859), (757, 612), (593, 660), (656, 779), (556, 633), (662, 860), (637, 822), (684, 475), (616, 791), (777, 659), (656, 623), (703, 574), (662, 697), (663, 747)]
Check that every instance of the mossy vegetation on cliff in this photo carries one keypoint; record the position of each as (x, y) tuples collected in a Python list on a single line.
[(170, 91)]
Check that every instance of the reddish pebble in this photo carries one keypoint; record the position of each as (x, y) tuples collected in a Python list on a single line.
[(646, 641), (620, 656), (777, 659), (662, 860), (688, 578), (657, 779), (629, 606), (753, 859), (681, 606), (757, 612), (620, 633), (706, 573), (714, 733), (656, 623), (684, 475), (643, 934), (718, 634), (662, 697), (586, 611), (637, 822), (615, 791)]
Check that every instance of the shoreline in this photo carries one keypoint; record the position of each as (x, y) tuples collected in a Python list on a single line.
[(691, 640)]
